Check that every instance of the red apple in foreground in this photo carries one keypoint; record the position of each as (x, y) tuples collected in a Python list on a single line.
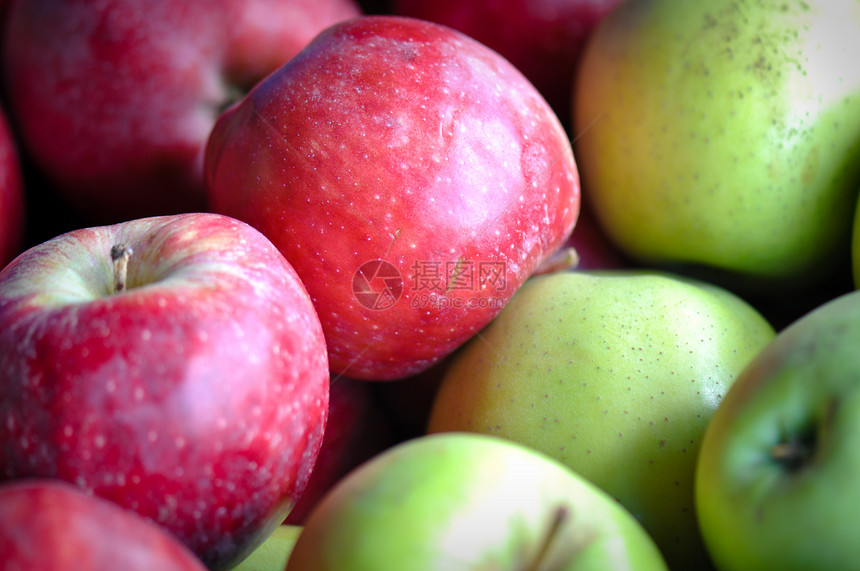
[(54, 525), (186, 380), (11, 195), (542, 38), (114, 99), (412, 177)]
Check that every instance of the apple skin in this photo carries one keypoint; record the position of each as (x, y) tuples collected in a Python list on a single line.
[(11, 195), (615, 374), (115, 102), (197, 396), (469, 501), (542, 38), (356, 429), (273, 553), (404, 141), (739, 161), (51, 524), (777, 473)]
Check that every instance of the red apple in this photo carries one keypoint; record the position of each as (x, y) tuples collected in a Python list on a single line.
[(50, 524), (114, 99), (356, 430), (543, 38), (186, 380), (413, 178), (11, 195)]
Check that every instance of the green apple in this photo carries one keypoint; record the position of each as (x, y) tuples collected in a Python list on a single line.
[(777, 483), (723, 137), (273, 553), (616, 374), (462, 501)]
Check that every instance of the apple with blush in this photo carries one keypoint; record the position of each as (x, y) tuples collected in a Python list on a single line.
[(413, 178), (51, 524), (114, 99), (174, 365)]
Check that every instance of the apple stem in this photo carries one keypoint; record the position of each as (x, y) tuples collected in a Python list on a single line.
[(563, 260), (559, 517), (119, 254)]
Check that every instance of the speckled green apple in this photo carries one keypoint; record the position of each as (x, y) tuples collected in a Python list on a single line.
[(469, 501), (723, 136), (776, 484), (616, 374)]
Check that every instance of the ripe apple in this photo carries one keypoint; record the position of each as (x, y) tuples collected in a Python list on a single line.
[(739, 158), (411, 176), (174, 365), (114, 99), (273, 553), (469, 501), (50, 524), (616, 374), (11, 195), (356, 429), (777, 472), (542, 38)]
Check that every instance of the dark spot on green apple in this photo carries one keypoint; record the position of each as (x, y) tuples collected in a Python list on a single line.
[(797, 448)]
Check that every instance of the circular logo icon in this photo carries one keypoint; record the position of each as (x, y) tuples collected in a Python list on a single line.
[(377, 285)]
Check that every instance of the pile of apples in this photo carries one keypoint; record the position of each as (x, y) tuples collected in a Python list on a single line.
[(429, 284)]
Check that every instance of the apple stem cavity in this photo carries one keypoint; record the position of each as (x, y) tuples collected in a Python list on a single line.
[(119, 254), (559, 517)]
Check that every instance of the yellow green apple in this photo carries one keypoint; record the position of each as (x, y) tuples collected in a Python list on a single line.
[(723, 137), (616, 374), (463, 501), (777, 480)]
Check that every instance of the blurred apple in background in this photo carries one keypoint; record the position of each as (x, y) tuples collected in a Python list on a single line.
[(542, 38), (468, 501), (776, 483), (412, 176), (722, 138), (53, 525), (616, 374), (186, 380), (356, 429), (12, 224), (114, 99)]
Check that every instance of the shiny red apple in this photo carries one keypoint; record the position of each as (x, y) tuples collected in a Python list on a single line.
[(174, 365), (114, 99), (53, 525), (413, 177)]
